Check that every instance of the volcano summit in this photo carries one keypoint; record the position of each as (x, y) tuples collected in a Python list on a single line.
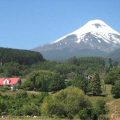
[(95, 38)]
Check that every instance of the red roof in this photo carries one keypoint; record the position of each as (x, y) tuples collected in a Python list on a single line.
[(9, 81)]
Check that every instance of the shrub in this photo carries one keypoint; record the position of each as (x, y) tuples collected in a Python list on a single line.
[(85, 114), (21, 94), (3, 106), (65, 103), (100, 107), (23, 104), (30, 109), (95, 112), (4, 88)]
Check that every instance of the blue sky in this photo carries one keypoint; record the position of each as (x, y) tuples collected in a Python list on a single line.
[(26, 24)]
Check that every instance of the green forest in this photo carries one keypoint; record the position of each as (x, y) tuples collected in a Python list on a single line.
[(78, 88)]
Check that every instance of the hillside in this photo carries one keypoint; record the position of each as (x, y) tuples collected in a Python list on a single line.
[(26, 57)]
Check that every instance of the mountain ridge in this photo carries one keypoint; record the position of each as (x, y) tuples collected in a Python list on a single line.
[(87, 28), (95, 36)]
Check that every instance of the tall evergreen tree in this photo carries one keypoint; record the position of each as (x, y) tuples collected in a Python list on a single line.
[(96, 85)]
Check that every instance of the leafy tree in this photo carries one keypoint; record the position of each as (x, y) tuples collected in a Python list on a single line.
[(45, 81), (57, 83), (80, 82), (12, 69), (112, 76)]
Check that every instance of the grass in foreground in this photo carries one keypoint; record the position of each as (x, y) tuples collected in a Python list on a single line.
[(32, 118)]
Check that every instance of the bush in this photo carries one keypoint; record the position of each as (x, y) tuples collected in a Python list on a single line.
[(21, 94), (100, 107), (4, 88), (96, 112), (22, 104), (85, 114), (3, 106), (65, 103), (30, 110)]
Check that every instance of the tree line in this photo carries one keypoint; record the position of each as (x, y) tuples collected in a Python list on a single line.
[(25, 57)]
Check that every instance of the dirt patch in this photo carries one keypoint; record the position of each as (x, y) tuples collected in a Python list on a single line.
[(114, 107)]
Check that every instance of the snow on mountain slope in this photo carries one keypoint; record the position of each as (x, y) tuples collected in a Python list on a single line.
[(96, 27), (95, 38)]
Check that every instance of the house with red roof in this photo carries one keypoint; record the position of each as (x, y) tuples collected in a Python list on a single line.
[(10, 81)]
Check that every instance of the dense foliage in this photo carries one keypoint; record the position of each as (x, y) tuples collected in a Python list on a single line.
[(71, 102), (112, 76), (25, 57), (21, 104), (86, 65), (44, 81), (12, 69), (116, 89), (66, 103), (80, 82), (66, 83), (96, 85)]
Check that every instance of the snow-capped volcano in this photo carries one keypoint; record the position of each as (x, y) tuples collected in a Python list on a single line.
[(96, 27), (94, 38)]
